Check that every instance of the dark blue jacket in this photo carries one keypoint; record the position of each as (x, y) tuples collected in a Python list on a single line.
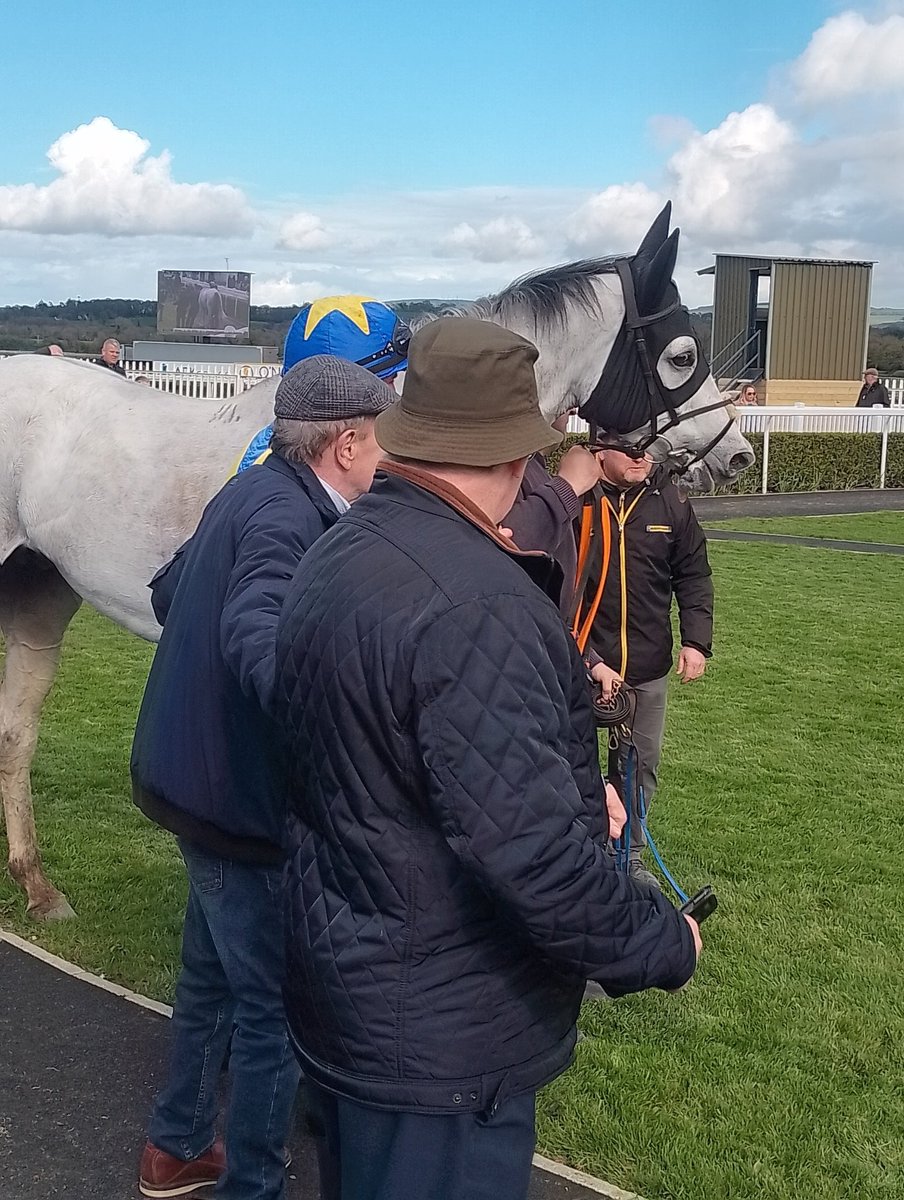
[(206, 761), (449, 890)]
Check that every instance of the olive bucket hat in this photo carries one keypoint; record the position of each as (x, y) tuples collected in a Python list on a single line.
[(470, 398)]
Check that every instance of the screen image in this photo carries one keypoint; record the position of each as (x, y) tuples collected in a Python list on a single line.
[(208, 303)]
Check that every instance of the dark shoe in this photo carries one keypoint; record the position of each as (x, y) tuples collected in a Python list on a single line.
[(639, 873), (161, 1175)]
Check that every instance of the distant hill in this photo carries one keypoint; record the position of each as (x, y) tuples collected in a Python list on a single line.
[(879, 317)]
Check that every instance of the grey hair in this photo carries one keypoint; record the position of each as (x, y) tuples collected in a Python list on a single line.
[(112, 342), (305, 441)]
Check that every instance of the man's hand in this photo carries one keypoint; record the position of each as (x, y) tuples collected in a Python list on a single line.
[(691, 664), (698, 947), (616, 810), (580, 469), (610, 681), (695, 930)]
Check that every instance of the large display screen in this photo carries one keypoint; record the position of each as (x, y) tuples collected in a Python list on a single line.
[(204, 303)]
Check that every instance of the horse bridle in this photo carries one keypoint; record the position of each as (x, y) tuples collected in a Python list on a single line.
[(657, 394)]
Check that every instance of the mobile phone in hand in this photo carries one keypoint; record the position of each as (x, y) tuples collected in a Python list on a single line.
[(700, 906)]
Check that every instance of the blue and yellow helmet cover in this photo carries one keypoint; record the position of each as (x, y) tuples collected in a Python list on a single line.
[(357, 328)]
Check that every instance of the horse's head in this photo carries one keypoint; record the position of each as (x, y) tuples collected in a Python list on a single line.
[(655, 388), (616, 343)]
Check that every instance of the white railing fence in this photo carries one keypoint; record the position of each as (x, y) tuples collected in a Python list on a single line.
[(802, 418), (192, 386)]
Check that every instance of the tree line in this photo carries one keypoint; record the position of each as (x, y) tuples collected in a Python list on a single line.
[(79, 326)]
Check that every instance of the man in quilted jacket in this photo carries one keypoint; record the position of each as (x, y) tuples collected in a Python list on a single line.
[(449, 890)]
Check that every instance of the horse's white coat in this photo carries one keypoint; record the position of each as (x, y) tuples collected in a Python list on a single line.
[(106, 478)]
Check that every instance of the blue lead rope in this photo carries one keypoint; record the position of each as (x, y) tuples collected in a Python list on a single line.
[(623, 843)]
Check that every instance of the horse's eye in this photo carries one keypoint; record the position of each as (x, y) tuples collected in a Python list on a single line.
[(687, 359)]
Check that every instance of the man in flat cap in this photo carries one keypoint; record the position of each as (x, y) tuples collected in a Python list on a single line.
[(207, 765), (449, 888)]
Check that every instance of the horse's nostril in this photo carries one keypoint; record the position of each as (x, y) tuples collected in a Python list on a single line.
[(740, 462)]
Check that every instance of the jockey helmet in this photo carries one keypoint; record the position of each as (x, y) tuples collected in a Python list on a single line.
[(357, 328)]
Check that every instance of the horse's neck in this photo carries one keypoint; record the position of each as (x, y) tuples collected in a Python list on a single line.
[(573, 348)]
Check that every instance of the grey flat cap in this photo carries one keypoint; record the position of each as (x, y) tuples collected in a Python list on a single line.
[(324, 388)]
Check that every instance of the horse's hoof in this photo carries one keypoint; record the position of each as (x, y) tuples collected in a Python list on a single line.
[(53, 907)]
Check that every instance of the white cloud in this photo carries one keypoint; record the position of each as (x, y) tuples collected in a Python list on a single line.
[(304, 231), (108, 183), (724, 179), (286, 290), (613, 220), (850, 55), (500, 240)]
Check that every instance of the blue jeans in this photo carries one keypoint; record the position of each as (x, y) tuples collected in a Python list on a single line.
[(232, 970)]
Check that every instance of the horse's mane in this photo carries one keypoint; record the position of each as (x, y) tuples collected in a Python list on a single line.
[(541, 297)]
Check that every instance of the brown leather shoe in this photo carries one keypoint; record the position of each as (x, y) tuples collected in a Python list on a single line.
[(161, 1175)]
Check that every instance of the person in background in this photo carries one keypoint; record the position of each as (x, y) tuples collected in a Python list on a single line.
[(448, 886), (142, 379), (748, 395), (109, 356), (873, 392), (54, 351), (658, 552), (207, 765)]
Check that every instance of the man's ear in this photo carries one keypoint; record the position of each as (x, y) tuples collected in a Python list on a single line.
[(344, 448)]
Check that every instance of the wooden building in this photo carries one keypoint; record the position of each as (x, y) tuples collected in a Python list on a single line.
[(797, 326)]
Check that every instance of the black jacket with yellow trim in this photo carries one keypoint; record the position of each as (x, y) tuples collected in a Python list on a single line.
[(661, 553)]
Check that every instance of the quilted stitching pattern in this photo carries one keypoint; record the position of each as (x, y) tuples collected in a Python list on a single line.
[(449, 891)]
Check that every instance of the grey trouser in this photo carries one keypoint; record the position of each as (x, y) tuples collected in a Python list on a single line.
[(649, 727)]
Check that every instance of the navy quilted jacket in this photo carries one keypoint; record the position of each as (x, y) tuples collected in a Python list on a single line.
[(448, 888)]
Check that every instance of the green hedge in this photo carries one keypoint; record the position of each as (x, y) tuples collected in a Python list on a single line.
[(813, 462)]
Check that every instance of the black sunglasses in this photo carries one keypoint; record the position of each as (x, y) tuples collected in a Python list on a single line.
[(635, 452)]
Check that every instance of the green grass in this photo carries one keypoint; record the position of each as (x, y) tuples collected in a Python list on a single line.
[(121, 874), (777, 1073), (887, 527)]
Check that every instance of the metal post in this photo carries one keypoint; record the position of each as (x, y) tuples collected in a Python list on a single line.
[(883, 457), (765, 486)]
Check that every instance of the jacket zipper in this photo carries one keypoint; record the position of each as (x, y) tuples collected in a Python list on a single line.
[(621, 518)]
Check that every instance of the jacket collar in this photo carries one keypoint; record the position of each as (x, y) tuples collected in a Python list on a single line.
[(542, 569), (308, 481)]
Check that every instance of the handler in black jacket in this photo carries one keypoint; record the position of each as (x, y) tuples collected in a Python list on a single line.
[(658, 551), (449, 890), (207, 765)]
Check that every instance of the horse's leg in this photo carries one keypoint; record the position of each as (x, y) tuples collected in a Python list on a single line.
[(36, 605)]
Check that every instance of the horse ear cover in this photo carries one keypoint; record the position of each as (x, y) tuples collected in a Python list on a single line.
[(654, 237), (653, 281)]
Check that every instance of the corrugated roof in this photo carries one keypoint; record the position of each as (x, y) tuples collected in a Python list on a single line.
[(784, 258)]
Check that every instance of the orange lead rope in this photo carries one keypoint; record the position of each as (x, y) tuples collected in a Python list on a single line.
[(581, 629)]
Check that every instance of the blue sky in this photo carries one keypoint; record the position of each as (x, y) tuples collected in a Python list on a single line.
[(320, 97), (429, 149)]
